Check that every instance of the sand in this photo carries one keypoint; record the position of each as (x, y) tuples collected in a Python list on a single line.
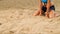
[(16, 18)]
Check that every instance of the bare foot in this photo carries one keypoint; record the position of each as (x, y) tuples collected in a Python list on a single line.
[(52, 14), (41, 13), (56, 15), (37, 13), (47, 14)]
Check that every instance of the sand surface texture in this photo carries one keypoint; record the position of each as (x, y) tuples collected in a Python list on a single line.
[(16, 18)]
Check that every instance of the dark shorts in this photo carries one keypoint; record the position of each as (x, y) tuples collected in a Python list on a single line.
[(51, 8)]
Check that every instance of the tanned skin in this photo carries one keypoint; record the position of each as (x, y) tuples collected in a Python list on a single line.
[(49, 13), (39, 11), (48, 6)]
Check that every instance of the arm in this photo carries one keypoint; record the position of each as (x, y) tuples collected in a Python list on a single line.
[(40, 4), (48, 5), (38, 12)]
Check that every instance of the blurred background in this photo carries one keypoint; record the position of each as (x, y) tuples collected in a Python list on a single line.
[(25, 4)]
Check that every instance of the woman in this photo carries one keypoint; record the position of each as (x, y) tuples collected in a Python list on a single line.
[(46, 7)]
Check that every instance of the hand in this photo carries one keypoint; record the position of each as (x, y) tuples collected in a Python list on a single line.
[(47, 14), (40, 13)]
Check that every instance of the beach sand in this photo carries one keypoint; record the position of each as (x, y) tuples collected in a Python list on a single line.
[(16, 18)]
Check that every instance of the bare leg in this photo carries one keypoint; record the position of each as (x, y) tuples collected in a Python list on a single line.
[(51, 14), (47, 14), (41, 13), (36, 13), (57, 14)]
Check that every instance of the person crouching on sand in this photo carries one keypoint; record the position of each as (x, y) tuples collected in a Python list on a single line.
[(46, 7)]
